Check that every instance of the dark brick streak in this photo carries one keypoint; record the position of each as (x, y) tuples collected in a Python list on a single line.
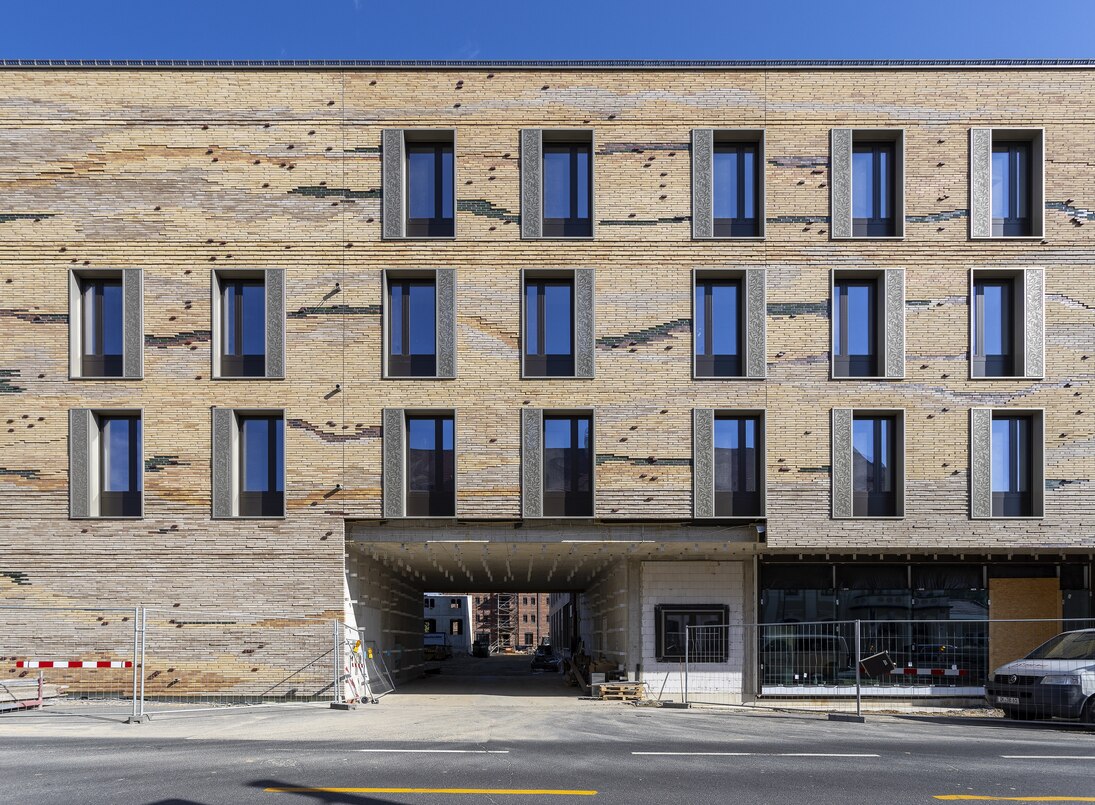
[(30, 475), (33, 318), (157, 463), (359, 432), (798, 309), (179, 339), (334, 310), (17, 577), (645, 461), (8, 217), (6, 386), (675, 219), (487, 209), (320, 191), (647, 335), (639, 148), (1053, 484)]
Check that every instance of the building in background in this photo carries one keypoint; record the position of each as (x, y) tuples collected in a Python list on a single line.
[(447, 621), (512, 621)]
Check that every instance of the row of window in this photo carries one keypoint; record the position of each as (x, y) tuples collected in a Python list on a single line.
[(728, 183), (557, 339), (868, 459)]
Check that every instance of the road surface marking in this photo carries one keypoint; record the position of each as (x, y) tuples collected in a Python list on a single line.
[(440, 751), (983, 798), (516, 792), (753, 754), (1049, 757)]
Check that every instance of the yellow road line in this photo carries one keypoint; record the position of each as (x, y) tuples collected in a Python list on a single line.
[(984, 798), (550, 792)]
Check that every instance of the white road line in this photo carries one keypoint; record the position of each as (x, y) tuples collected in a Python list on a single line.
[(1049, 757), (440, 751), (755, 754)]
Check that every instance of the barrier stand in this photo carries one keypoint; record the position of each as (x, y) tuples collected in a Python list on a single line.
[(138, 716)]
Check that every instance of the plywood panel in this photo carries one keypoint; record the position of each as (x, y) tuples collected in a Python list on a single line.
[(1011, 599)]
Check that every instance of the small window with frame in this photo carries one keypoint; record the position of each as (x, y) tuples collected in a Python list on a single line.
[(567, 184), (430, 184), (703, 626)]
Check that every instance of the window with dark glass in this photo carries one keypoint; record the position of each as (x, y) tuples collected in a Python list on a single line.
[(102, 325), (873, 189), (262, 466), (739, 472), (734, 185), (1012, 465), (994, 330), (549, 327), (120, 466), (719, 316), (568, 189), (707, 637), (243, 327), (1011, 188), (429, 189), (456, 626), (874, 462), (568, 466), (431, 467), (855, 327), (412, 328), (429, 625)]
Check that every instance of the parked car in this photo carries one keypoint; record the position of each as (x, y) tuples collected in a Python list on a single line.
[(545, 659), (804, 659), (1056, 680), (480, 648)]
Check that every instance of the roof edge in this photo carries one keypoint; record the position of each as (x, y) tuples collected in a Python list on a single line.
[(557, 64)]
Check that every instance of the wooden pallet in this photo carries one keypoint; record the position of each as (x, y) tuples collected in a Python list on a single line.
[(622, 691)]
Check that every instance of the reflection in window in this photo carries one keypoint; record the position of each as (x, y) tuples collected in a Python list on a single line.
[(874, 488), (262, 466), (1011, 189), (735, 182), (549, 328), (412, 328), (429, 189), (855, 328), (101, 336), (1012, 461), (872, 189), (719, 328), (243, 327), (568, 189), (568, 466), (738, 468), (431, 467), (993, 328), (120, 470), (671, 630)]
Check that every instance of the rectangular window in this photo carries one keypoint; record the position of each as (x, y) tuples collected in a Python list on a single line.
[(739, 471), (412, 327), (1012, 465), (120, 466), (874, 462), (431, 467), (456, 626), (568, 189), (261, 466), (430, 625), (568, 466), (549, 327), (428, 603), (855, 327), (706, 644), (528, 638), (430, 183), (102, 327), (243, 327), (735, 187), (454, 603), (719, 328), (1011, 188), (994, 327), (873, 189)]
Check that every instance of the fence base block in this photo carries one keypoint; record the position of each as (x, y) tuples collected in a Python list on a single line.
[(343, 706), (138, 719), (677, 705), (847, 717)]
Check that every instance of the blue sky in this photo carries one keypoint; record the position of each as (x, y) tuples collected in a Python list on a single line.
[(559, 29)]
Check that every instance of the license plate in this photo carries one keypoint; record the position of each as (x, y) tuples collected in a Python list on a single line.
[(1007, 700)]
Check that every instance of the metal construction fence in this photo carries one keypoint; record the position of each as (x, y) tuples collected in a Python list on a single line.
[(135, 662), (835, 665)]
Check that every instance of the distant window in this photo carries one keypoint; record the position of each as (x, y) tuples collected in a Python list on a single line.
[(412, 328), (855, 327), (735, 183), (549, 327), (719, 317), (262, 466), (568, 189), (430, 625), (873, 189), (874, 462), (994, 330), (568, 466), (430, 189), (1012, 466), (1011, 188), (431, 467), (120, 468), (456, 626), (243, 323), (528, 638), (454, 603), (102, 326), (707, 644), (739, 471), (428, 603)]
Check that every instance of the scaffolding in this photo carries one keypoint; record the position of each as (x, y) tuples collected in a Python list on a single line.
[(504, 633)]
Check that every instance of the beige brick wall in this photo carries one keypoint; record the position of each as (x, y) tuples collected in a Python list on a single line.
[(182, 172)]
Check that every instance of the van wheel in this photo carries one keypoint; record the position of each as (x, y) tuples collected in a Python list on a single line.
[(1088, 715)]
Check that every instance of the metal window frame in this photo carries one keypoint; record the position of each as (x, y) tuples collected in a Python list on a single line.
[(558, 136), (439, 415), (703, 180), (981, 142), (132, 322), (840, 181), (753, 320), (841, 456), (574, 415), (135, 461), (239, 415), (761, 417), (984, 462)]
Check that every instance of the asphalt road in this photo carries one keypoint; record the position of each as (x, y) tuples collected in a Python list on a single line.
[(615, 754)]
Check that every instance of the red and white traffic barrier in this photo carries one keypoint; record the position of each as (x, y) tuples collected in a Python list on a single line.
[(930, 671), (74, 664)]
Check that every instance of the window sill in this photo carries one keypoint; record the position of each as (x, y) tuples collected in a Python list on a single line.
[(251, 517), (753, 238), (110, 517), (257, 378), (883, 517), (872, 378), (561, 237), (1004, 377), (387, 376), (727, 377), (981, 238), (555, 377), (868, 237), (418, 237), (104, 377), (1014, 517)]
